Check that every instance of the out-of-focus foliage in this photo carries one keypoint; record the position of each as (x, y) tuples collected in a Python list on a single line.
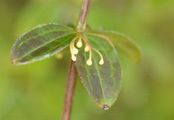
[(122, 42), (36, 91)]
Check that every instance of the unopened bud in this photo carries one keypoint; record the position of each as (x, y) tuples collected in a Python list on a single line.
[(74, 58), (87, 48), (79, 43), (101, 62), (89, 62), (75, 51)]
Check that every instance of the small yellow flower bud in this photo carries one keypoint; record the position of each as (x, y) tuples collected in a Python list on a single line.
[(87, 48), (79, 43), (74, 58), (101, 62), (89, 62), (75, 51)]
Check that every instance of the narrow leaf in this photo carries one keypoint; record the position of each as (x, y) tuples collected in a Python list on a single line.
[(102, 82), (41, 42), (122, 42)]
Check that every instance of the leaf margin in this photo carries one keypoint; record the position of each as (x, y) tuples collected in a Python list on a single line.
[(17, 61)]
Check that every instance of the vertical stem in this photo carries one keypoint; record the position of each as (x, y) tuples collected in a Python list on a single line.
[(70, 90), (71, 82), (83, 15)]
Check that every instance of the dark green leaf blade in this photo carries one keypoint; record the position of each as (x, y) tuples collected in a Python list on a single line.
[(41, 42), (103, 82), (122, 42)]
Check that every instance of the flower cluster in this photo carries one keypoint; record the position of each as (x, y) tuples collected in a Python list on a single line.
[(77, 43)]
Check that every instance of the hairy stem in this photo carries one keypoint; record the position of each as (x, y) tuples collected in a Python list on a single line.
[(83, 15), (70, 90)]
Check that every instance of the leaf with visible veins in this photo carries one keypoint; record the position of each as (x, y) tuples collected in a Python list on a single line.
[(41, 42), (103, 82)]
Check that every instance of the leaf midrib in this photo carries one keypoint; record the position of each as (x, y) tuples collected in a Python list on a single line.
[(41, 34), (59, 37)]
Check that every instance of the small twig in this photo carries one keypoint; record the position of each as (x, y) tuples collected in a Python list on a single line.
[(83, 15), (70, 90)]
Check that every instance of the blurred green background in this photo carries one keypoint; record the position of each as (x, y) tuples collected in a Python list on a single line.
[(36, 91)]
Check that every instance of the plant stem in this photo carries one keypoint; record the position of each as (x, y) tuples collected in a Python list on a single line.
[(71, 82), (83, 15), (70, 90)]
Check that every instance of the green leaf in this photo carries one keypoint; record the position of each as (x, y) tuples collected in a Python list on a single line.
[(103, 82), (122, 42), (41, 42)]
